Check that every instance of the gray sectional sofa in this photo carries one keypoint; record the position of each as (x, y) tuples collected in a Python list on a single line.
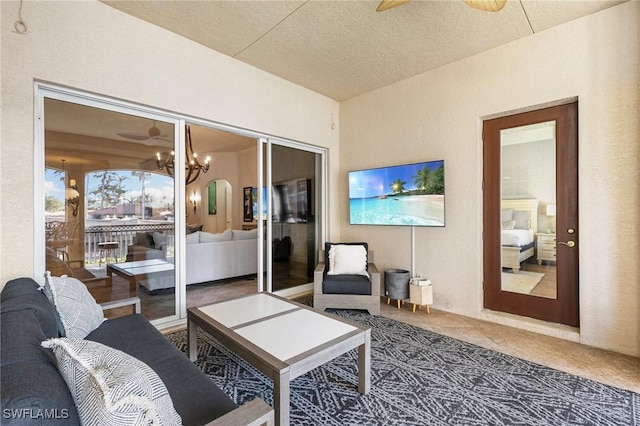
[(33, 391)]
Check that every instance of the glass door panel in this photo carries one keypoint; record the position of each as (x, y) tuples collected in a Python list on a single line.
[(528, 208), (109, 210), (293, 216)]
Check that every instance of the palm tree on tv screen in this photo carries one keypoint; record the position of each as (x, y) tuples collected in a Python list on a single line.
[(437, 181), (422, 179), (397, 186)]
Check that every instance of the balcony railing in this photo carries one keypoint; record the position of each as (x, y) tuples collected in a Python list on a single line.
[(123, 235)]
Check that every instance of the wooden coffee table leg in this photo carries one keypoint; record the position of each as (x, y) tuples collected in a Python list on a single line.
[(132, 282), (109, 280), (364, 364), (281, 397), (192, 340)]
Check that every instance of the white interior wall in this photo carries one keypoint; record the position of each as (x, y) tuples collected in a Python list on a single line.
[(92, 47), (224, 165), (438, 115)]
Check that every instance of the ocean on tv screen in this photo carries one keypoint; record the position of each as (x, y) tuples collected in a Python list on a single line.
[(407, 210), (405, 195)]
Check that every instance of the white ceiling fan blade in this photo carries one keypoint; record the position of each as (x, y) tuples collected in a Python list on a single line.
[(134, 136), (389, 4), (156, 141), (153, 132), (486, 5)]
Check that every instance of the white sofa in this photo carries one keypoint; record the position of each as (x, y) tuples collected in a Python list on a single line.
[(228, 254)]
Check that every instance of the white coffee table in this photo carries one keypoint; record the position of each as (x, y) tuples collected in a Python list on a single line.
[(282, 339), (139, 270)]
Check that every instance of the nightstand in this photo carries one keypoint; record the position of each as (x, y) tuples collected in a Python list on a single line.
[(545, 247)]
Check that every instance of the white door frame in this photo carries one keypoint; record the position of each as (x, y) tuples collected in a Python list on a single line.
[(265, 259), (44, 90)]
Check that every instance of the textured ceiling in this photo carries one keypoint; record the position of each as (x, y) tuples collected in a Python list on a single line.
[(345, 48)]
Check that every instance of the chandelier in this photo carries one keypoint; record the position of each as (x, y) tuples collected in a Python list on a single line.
[(192, 166)]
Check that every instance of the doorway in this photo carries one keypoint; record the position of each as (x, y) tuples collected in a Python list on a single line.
[(530, 207)]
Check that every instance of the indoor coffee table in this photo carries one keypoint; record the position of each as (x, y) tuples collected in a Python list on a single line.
[(282, 339), (138, 270)]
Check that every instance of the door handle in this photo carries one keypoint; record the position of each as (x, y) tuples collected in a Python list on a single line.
[(568, 243)]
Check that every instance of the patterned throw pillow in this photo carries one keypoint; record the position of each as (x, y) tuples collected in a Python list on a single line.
[(78, 311), (110, 387)]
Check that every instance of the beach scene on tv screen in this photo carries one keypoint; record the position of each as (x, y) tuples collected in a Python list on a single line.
[(409, 195)]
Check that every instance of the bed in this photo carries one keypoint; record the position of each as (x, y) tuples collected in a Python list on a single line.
[(519, 224)]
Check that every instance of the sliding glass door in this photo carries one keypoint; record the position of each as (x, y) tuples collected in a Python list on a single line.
[(109, 216), (293, 177), (114, 211)]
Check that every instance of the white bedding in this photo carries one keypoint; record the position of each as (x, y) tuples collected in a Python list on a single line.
[(516, 237)]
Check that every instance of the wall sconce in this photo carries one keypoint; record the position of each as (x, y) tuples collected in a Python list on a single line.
[(194, 198), (72, 196)]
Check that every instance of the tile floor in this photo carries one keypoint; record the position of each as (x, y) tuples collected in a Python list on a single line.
[(596, 364), (600, 365)]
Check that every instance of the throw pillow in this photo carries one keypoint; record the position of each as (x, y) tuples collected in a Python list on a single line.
[(192, 229), (251, 234), (508, 224), (78, 311), (507, 214), (207, 237), (193, 238), (110, 387), (347, 259), (160, 240), (522, 219), (144, 239)]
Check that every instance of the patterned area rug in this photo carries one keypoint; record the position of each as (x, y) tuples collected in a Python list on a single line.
[(423, 378)]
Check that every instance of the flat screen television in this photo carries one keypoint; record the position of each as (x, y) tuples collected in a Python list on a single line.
[(403, 195), (291, 201)]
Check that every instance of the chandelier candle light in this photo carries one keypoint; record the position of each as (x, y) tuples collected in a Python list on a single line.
[(193, 167)]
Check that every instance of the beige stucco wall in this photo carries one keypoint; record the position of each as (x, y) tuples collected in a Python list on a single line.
[(438, 115), (92, 47)]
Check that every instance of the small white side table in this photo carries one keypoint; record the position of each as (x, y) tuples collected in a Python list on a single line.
[(421, 295)]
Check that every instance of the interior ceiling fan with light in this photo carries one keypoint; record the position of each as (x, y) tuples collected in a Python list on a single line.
[(485, 5), (151, 138)]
